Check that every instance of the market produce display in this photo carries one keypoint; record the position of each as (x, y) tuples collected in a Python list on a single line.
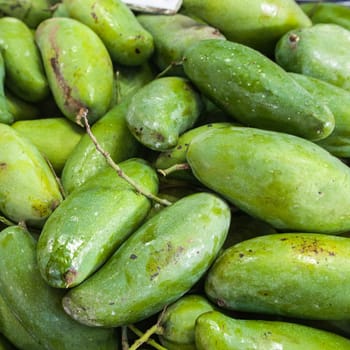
[(174, 179)]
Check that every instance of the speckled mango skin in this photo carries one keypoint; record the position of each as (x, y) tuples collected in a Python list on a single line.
[(301, 275), (114, 136), (321, 51), (179, 320), (258, 25), (77, 65), (92, 222), (254, 90), (173, 34), (338, 101), (215, 330), (127, 41), (25, 75), (287, 181), (28, 189), (155, 266), (162, 110), (37, 305)]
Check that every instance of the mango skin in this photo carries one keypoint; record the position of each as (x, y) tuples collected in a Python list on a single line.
[(25, 75), (162, 110), (338, 101), (5, 115), (172, 35), (20, 109), (28, 189), (28, 294), (155, 266), (54, 137), (92, 222), (78, 67), (258, 25), (254, 90), (289, 182), (178, 322), (113, 135), (321, 51), (299, 275), (126, 40), (262, 335)]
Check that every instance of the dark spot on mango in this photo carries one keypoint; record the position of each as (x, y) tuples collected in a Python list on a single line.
[(133, 256), (241, 255), (154, 276), (138, 51), (3, 166), (94, 16), (220, 303), (70, 276)]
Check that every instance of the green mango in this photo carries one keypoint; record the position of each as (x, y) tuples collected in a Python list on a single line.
[(55, 138), (255, 90), (178, 322), (172, 34), (78, 67), (328, 12), (28, 189), (92, 222), (215, 330), (289, 182), (60, 10), (177, 154), (301, 275), (38, 306), (20, 109), (155, 266), (321, 51), (25, 75), (258, 25), (161, 110), (338, 101), (126, 40), (14, 331), (31, 12), (130, 79), (113, 135), (5, 114)]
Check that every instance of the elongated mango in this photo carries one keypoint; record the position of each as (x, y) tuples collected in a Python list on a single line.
[(285, 180), (127, 41), (254, 90), (78, 67), (263, 335), (113, 135), (321, 51), (28, 189), (155, 266), (301, 275), (25, 75), (38, 306), (92, 223), (5, 115)]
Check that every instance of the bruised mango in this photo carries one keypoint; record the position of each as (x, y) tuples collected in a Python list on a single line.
[(299, 275), (113, 135), (172, 34), (287, 181), (54, 137), (78, 67), (92, 223), (28, 189), (258, 25), (254, 90), (29, 295), (263, 335), (161, 110), (25, 75), (155, 266), (321, 51), (127, 41)]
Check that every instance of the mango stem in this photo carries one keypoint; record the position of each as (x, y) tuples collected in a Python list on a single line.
[(6, 221), (173, 168), (125, 342), (83, 116)]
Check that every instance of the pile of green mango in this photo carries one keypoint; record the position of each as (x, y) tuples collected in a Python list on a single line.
[(174, 181)]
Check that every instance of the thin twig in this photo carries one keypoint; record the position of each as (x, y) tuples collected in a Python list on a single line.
[(83, 115), (6, 221), (151, 342), (125, 342), (173, 168), (168, 68)]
